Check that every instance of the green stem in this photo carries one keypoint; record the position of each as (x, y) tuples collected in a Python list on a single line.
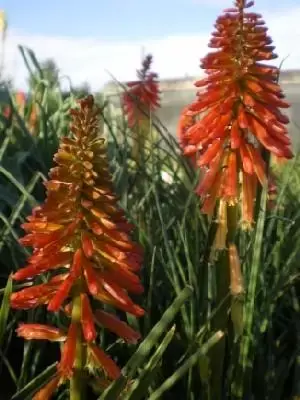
[(220, 321), (77, 382), (236, 311)]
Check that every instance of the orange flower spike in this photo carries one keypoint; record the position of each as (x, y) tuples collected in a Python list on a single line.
[(81, 230), (142, 96), (40, 332), (241, 99), (87, 319)]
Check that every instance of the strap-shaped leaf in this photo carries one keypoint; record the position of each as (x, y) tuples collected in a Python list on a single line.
[(4, 310), (139, 357)]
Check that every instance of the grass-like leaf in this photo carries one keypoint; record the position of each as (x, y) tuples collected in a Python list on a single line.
[(4, 309), (37, 383), (191, 361), (139, 357)]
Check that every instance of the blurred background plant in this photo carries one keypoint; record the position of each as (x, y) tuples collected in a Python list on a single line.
[(180, 294)]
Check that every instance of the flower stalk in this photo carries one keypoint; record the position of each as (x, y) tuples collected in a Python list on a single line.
[(77, 382)]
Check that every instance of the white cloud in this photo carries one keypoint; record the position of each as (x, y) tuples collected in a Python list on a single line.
[(86, 59)]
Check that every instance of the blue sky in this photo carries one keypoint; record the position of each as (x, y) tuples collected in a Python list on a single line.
[(110, 19), (120, 19), (88, 37)]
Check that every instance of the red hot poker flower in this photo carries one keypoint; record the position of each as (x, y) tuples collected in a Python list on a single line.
[(82, 239), (142, 97), (239, 104)]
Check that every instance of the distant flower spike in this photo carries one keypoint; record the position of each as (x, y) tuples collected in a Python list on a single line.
[(29, 113), (81, 238), (142, 96), (239, 107)]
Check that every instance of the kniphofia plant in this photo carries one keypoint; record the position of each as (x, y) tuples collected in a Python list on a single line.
[(81, 239)]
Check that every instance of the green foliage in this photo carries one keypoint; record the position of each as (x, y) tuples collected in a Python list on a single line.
[(4, 310), (37, 383), (138, 358), (175, 358)]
